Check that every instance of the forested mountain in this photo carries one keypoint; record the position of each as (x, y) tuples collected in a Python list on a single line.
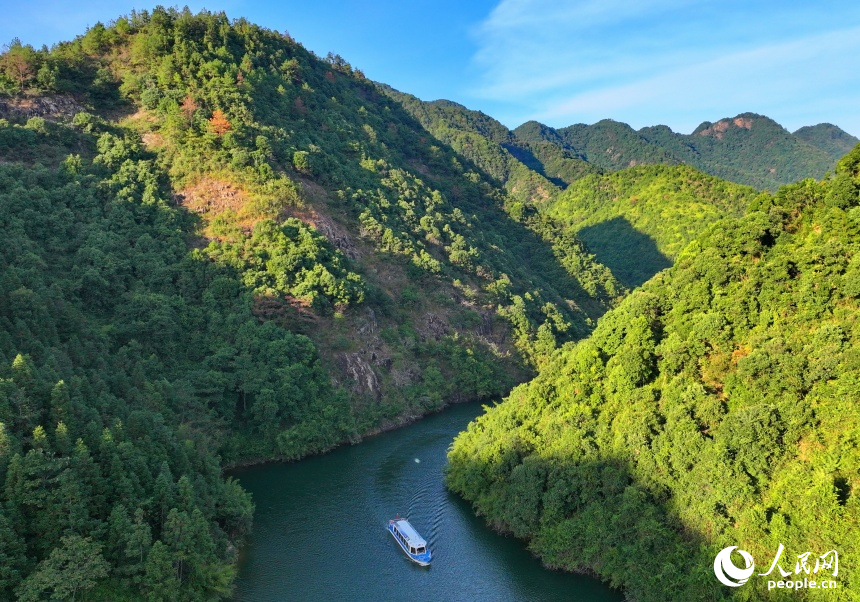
[(829, 138), (715, 407), (221, 248), (608, 144), (748, 149), (635, 220), (529, 171)]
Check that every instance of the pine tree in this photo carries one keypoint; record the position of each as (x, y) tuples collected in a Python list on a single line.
[(75, 566), (189, 107), (219, 123), (159, 579), (12, 557), (164, 494), (138, 540)]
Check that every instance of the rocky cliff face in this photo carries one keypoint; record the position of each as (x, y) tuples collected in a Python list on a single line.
[(49, 107), (718, 129)]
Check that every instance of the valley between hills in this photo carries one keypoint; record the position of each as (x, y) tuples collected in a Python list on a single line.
[(222, 249)]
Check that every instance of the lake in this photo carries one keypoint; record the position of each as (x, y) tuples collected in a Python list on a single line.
[(320, 529)]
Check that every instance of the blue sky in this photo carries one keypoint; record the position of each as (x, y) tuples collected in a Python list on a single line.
[(644, 62)]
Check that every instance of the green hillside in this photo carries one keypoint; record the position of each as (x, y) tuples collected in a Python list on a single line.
[(749, 149), (221, 248), (637, 220), (486, 147), (829, 138), (715, 407), (527, 171)]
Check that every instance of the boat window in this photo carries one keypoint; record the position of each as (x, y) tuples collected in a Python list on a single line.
[(412, 550), (420, 550)]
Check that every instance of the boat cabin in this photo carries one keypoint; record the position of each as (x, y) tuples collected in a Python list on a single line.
[(408, 536), (410, 541)]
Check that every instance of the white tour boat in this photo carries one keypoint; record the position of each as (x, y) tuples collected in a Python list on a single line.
[(409, 540)]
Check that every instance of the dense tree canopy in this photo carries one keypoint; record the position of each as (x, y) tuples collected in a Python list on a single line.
[(637, 220), (715, 407), (748, 149), (222, 248)]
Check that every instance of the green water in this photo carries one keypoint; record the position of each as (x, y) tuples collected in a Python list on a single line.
[(319, 530)]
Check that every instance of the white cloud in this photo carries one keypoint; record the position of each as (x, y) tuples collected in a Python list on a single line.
[(752, 80), (515, 15), (667, 61), (529, 46)]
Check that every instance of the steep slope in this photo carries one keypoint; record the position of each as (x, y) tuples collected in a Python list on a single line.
[(486, 147), (560, 166), (528, 171), (634, 220), (612, 145), (829, 138), (221, 248), (748, 149), (637, 220), (714, 407)]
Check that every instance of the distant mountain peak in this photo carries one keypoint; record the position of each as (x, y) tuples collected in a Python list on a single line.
[(827, 130), (825, 127), (832, 139), (748, 148), (719, 128), (744, 121), (442, 102), (614, 123)]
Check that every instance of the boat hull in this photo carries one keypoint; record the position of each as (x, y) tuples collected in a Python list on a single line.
[(419, 559)]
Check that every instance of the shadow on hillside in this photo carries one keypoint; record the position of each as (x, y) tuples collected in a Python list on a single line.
[(594, 517), (528, 158), (632, 256), (536, 266)]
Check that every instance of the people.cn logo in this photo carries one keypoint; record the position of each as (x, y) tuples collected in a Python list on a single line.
[(727, 572)]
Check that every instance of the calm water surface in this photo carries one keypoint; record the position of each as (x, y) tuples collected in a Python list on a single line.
[(319, 530)]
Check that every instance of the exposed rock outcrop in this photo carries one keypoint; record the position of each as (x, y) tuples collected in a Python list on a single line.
[(719, 128), (361, 373), (50, 107), (433, 327)]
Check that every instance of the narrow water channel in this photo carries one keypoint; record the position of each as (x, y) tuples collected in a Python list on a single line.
[(319, 530)]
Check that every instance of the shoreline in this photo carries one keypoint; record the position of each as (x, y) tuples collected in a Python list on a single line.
[(400, 422)]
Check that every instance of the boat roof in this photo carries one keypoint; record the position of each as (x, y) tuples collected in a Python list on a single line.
[(410, 533)]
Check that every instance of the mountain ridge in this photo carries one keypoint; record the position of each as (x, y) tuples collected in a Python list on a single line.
[(699, 413), (634, 220), (222, 248), (748, 148)]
